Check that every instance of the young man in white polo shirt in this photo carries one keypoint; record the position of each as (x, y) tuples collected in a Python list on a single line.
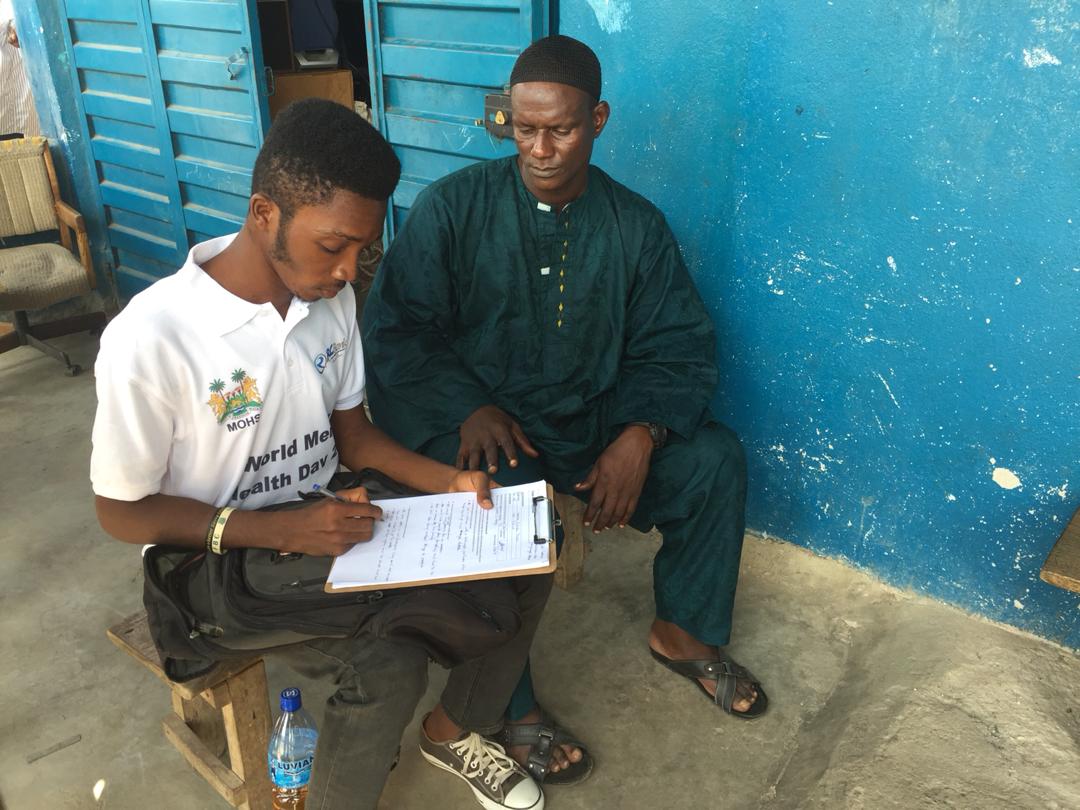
[(239, 380)]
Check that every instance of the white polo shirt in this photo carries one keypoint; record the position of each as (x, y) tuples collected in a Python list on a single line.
[(204, 395)]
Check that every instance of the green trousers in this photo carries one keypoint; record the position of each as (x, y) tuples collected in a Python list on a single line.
[(695, 495)]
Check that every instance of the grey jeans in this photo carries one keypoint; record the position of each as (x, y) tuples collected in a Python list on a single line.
[(379, 684)]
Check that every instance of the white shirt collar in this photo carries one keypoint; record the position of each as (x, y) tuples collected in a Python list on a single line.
[(220, 309)]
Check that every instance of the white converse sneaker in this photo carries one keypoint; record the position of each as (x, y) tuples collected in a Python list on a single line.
[(497, 781)]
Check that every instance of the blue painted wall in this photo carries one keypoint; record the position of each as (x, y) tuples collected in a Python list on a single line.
[(881, 205)]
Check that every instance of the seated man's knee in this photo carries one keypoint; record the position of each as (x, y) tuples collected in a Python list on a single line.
[(531, 594), (726, 449), (715, 453), (533, 591), (393, 674)]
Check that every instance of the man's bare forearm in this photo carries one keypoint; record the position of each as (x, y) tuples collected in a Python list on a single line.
[(180, 522), (361, 444)]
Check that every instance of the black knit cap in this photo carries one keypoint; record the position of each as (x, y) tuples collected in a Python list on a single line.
[(559, 59)]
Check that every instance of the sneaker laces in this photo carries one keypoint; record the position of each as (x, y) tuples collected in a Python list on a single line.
[(479, 755)]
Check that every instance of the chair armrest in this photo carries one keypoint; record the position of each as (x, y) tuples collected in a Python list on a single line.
[(70, 217)]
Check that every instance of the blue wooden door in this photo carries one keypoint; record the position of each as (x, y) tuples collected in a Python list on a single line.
[(432, 62), (173, 113)]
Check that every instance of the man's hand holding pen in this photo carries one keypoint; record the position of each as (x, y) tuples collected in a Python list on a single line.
[(332, 525)]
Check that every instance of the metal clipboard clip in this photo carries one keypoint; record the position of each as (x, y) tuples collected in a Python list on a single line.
[(544, 520)]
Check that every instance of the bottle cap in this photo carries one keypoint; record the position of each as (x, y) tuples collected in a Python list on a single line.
[(290, 699)]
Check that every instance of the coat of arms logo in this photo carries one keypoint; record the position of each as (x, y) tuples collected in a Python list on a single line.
[(242, 399)]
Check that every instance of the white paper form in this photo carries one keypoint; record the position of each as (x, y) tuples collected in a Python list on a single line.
[(438, 537)]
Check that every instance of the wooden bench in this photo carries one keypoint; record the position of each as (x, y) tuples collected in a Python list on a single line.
[(575, 543), (1062, 566), (224, 711)]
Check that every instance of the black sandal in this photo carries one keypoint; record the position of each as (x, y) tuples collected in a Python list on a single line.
[(541, 737), (726, 672)]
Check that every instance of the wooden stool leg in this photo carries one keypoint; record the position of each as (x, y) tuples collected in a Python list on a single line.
[(223, 708), (575, 545), (203, 720), (205, 762), (247, 730)]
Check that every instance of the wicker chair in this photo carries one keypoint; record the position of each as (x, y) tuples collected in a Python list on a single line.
[(36, 276)]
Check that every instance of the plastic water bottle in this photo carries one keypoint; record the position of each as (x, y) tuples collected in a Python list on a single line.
[(292, 750)]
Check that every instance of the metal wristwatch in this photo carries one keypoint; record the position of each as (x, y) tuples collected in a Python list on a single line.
[(658, 433)]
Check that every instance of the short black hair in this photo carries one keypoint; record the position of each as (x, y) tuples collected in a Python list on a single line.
[(316, 147)]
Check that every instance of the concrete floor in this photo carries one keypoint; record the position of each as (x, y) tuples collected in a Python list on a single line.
[(880, 699)]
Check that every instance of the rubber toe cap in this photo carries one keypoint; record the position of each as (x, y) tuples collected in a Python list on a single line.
[(526, 795)]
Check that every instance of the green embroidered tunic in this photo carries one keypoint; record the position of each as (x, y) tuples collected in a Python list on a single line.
[(575, 322)]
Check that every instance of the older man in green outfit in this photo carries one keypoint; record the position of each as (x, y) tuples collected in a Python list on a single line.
[(534, 318)]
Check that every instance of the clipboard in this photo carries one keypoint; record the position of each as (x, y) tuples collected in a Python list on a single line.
[(544, 523)]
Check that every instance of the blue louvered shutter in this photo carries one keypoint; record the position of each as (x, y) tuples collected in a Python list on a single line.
[(173, 115), (432, 63)]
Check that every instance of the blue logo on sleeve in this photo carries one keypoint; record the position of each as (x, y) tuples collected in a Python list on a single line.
[(329, 354)]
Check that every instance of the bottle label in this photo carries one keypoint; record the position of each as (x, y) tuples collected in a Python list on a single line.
[(290, 773)]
